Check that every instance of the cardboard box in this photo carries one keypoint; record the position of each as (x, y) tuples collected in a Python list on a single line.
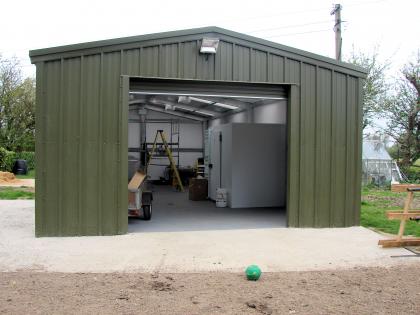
[(198, 189)]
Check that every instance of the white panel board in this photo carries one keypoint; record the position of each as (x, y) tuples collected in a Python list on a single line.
[(259, 167), (252, 163)]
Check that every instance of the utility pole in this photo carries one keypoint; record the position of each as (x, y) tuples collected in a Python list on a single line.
[(336, 11)]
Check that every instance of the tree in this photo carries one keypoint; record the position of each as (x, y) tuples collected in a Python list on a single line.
[(375, 86), (394, 151), (403, 113), (17, 107)]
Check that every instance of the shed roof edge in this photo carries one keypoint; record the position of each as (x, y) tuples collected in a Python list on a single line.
[(186, 32)]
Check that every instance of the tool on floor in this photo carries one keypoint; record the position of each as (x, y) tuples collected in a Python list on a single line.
[(176, 178), (403, 216)]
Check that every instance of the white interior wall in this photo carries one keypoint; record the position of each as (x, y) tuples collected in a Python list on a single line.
[(191, 136), (133, 141), (238, 117), (273, 113)]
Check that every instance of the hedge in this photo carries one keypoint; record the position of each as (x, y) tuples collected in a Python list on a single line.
[(8, 158), (413, 173)]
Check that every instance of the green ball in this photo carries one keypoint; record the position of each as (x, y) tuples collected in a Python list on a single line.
[(253, 272)]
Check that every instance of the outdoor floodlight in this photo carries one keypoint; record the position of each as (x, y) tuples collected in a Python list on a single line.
[(209, 45)]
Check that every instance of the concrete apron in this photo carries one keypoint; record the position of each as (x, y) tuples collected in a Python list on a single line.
[(273, 249)]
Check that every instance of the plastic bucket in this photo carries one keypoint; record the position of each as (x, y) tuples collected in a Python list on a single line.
[(221, 197)]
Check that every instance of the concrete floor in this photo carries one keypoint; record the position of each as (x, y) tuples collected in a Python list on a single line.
[(273, 248), (174, 212)]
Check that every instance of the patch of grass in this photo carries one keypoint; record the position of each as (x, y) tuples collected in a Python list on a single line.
[(13, 193), (375, 203), (31, 174)]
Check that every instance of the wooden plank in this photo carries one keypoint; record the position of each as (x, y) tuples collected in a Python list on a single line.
[(403, 216), (395, 215), (135, 182), (407, 206), (404, 242), (403, 187)]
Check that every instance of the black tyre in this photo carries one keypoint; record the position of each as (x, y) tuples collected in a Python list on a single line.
[(147, 212)]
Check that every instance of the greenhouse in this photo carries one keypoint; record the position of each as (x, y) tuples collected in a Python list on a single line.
[(377, 165)]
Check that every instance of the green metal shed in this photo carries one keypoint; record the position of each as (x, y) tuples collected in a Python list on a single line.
[(81, 123)]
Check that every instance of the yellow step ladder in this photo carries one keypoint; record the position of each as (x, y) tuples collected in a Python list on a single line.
[(170, 157)]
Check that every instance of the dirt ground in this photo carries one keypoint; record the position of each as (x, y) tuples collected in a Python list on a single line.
[(357, 291), (28, 182), (8, 179)]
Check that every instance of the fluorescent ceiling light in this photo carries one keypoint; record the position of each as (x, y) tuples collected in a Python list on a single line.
[(195, 111), (200, 100), (204, 113), (225, 105), (184, 99), (209, 45), (213, 103)]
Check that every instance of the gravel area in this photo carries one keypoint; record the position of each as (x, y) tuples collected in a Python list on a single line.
[(274, 249)]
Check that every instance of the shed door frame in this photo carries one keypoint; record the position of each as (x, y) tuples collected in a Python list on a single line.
[(288, 91)]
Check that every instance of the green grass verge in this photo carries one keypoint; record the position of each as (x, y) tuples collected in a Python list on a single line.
[(373, 211), (13, 193), (31, 174)]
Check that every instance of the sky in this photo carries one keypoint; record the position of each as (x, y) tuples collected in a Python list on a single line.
[(391, 25)]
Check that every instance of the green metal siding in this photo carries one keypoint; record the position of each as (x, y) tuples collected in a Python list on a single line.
[(224, 62), (78, 147), (81, 139), (241, 63), (323, 146), (276, 68), (91, 126), (307, 145)]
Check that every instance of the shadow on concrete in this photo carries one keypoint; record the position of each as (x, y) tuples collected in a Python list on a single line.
[(174, 212)]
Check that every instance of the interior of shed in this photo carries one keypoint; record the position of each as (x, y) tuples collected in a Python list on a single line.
[(230, 153)]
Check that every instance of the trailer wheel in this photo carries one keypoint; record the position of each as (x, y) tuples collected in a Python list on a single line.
[(147, 212)]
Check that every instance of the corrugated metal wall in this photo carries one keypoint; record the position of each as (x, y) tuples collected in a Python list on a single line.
[(81, 138)]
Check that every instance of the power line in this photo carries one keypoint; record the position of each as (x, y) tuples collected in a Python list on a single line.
[(289, 34), (282, 14), (234, 18), (288, 26)]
